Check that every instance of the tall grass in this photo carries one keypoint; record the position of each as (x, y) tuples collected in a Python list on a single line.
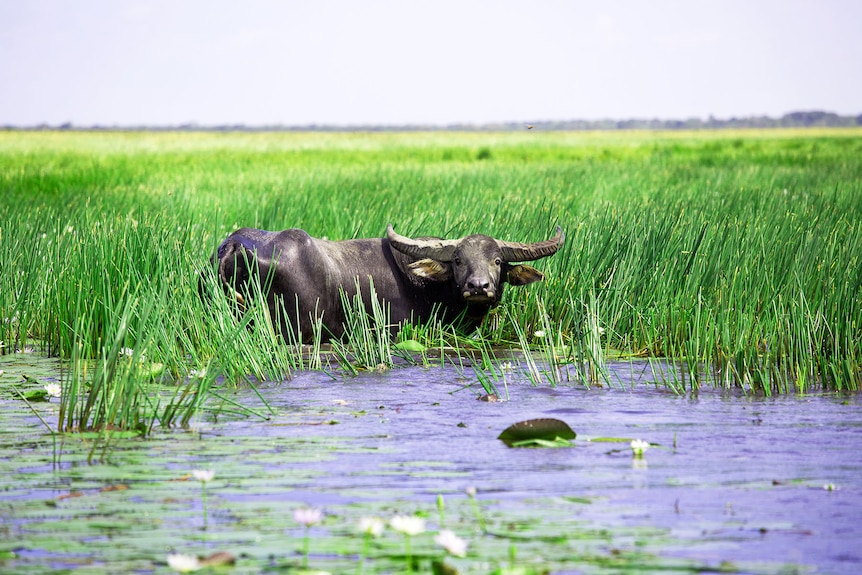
[(736, 254), (367, 335)]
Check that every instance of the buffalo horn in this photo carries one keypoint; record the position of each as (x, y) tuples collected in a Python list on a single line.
[(517, 252), (442, 250), (435, 249)]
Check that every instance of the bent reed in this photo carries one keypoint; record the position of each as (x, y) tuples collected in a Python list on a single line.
[(736, 253)]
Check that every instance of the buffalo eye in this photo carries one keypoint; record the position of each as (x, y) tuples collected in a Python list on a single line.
[(498, 262), (457, 261)]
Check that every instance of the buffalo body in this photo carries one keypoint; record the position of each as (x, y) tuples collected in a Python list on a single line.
[(303, 277)]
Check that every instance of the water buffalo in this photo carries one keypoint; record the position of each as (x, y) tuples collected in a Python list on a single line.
[(302, 277)]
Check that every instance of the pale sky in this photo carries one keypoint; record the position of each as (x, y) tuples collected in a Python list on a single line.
[(263, 62)]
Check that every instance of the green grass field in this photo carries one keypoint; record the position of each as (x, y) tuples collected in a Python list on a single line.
[(736, 253)]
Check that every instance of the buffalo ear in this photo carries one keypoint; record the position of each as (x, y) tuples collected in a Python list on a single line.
[(432, 270), (521, 275)]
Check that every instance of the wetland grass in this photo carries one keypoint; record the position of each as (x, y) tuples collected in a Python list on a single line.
[(735, 254)]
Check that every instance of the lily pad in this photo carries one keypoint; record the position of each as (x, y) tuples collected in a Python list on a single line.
[(34, 395), (610, 439), (528, 432), (410, 345), (549, 443)]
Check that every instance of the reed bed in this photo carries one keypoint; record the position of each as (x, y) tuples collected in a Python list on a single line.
[(735, 253)]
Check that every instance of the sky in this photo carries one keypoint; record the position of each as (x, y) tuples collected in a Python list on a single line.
[(371, 62)]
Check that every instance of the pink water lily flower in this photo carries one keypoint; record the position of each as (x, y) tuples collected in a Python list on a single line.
[(183, 563), (307, 516), (203, 475), (407, 524), (453, 544)]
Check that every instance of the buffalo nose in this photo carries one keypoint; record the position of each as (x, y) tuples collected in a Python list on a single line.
[(477, 285)]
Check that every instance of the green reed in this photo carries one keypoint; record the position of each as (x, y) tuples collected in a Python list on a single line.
[(735, 254), (367, 340)]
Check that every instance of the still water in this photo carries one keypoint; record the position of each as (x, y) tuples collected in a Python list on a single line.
[(741, 484)]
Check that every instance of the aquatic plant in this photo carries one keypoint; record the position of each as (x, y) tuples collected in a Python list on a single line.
[(182, 563), (441, 511), (639, 447), (367, 341), (409, 526), (370, 527), (453, 544), (306, 517), (204, 476), (471, 493)]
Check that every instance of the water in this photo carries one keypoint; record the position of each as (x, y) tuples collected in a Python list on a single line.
[(748, 475), (733, 482)]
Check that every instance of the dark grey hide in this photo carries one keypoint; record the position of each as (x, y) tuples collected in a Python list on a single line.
[(301, 276)]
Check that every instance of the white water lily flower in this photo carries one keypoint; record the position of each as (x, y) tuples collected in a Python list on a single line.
[(53, 389), (407, 524), (127, 351), (203, 475), (453, 544), (183, 563), (639, 446), (371, 526), (307, 516), (539, 333)]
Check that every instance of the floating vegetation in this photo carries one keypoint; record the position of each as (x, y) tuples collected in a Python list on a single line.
[(544, 432)]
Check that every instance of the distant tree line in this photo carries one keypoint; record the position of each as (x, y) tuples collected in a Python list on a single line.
[(806, 119)]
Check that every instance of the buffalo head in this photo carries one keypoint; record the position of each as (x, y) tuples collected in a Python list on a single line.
[(478, 266)]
